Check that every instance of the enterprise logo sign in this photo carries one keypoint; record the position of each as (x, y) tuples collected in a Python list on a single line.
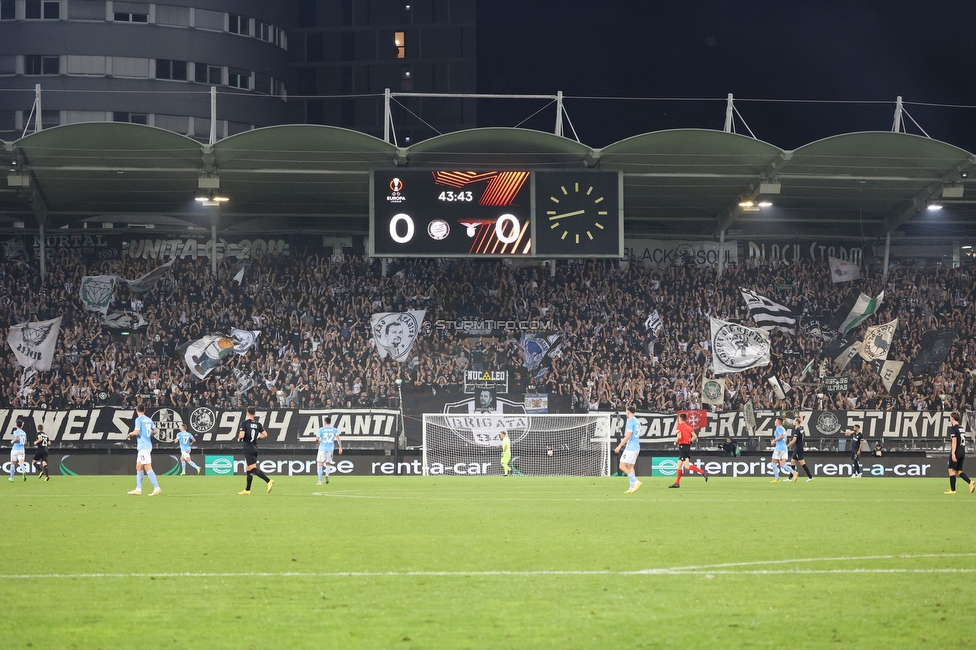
[(218, 465), (664, 466)]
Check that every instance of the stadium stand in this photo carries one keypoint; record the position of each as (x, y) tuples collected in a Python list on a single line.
[(315, 349)]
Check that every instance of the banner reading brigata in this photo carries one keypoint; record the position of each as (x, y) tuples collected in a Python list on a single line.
[(377, 428), (105, 427)]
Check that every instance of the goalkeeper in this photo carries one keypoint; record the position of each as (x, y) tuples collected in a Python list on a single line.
[(506, 453)]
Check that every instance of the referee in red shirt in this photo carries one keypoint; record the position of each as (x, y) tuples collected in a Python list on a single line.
[(683, 438)]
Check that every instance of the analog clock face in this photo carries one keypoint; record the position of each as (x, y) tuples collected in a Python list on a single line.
[(577, 214)]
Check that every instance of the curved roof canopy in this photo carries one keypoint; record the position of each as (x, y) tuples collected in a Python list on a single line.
[(687, 182)]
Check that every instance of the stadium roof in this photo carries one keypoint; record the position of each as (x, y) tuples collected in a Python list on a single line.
[(682, 183)]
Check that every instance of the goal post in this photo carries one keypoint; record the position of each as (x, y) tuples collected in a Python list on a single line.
[(542, 445)]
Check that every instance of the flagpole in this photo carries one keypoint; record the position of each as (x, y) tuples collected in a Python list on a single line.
[(396, 438)]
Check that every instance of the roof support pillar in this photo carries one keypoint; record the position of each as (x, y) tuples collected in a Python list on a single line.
[(387, 116), (213, 244), (884, 271), (721, 252), (559, 113), (728, 115), (41, 256), (213, 115), (37, 108)]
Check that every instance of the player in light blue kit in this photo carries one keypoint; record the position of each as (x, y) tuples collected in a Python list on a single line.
[(18, 454), (185, 440), (143, 431), (327, 437), (781, 452), (631, 446)]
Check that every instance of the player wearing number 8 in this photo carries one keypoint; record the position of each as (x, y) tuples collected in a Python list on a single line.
[(631, 445), (957, 454)]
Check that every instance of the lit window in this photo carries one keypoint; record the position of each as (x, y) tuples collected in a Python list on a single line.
[(398, 40)]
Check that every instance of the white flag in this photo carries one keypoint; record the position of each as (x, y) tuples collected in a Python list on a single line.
[(653, 322), (33, 343), (736, 347), (146, 282), (877, 341), (843, 271), (395, 332), (243, 339), (780, 388), (97, 291), (713, 391), (203, 355), (845, 357), (239, 278)]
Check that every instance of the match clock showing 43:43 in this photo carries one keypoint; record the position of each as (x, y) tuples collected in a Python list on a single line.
[(578, 214)]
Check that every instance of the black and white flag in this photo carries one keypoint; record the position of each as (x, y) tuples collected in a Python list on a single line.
[(780, 388), (769, 314), (736, 347), (124, 320), (146, 282), (34, 343), (395, 332), (653, 323), (97, 292), (244, 382), (877, 341), (893, 376), (936, 345), (244, 340)]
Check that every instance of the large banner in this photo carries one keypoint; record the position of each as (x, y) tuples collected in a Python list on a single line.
[(795, 251), (108, 426), (659, 252), (376, 428)]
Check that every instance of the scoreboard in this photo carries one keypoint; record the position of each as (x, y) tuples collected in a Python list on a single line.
[(495, 213)]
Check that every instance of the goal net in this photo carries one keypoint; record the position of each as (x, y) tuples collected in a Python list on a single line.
[(542, 445)]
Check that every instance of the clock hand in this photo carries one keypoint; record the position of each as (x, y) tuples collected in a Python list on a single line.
[(566, 214)]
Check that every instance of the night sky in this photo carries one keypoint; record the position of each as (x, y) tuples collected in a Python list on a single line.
[(833, 51)]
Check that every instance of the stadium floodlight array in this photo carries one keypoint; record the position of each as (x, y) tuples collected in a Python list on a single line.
[(542, 445)]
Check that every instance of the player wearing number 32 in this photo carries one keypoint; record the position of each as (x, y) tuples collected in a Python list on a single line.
[(327, 437), (631, 446), (684, 436)]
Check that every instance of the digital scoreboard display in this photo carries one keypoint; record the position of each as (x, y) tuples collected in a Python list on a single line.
[(450, 213), (496, 213)]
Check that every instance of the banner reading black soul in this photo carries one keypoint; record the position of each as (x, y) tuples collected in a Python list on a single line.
[(376, 429)]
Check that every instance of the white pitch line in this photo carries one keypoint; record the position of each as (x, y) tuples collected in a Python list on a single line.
[(706, 570)]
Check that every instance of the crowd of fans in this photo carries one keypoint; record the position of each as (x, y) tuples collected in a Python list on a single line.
[(316, 350)]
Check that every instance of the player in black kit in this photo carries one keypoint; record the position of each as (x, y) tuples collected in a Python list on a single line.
[(857, 441), (40, 456), (957, 454), (796, 442), (252, 431)]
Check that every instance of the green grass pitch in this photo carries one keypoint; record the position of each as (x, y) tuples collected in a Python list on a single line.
[(487, 562)]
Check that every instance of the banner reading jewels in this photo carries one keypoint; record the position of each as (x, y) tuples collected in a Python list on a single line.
[(107, 427), (377, 428)]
